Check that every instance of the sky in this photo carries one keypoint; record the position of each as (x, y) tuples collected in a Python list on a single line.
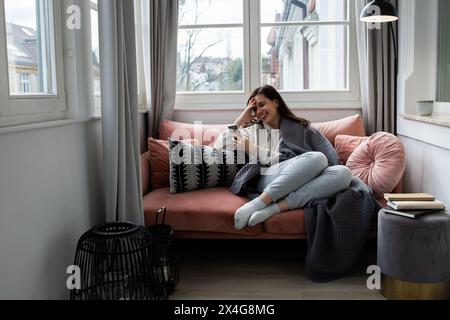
[(21, 12), (229, 11), (94, 30)]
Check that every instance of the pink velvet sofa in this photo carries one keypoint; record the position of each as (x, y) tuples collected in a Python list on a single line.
[(209, 213)]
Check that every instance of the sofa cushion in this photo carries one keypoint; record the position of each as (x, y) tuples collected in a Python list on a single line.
[(145, 173), (379, 162), (159, 162), (212, 210), (205, 133), (198, 167), (290, 222), (207, 210), (345, 145), (352, 126)]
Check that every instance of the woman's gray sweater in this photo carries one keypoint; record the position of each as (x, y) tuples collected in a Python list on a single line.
[(296, 139)]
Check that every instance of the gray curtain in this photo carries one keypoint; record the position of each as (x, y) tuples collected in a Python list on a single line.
[(163, 34), (378, 74), (120, 123)]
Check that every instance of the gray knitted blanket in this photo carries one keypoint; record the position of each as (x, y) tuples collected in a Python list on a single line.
[(336, 228)]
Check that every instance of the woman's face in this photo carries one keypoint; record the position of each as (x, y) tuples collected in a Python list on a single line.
[(267, 110)]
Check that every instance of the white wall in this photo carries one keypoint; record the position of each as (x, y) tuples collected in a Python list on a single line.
[(428, 169), (49, 196), (427, 145)]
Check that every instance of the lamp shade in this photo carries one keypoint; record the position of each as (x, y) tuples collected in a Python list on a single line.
[(379, 11)]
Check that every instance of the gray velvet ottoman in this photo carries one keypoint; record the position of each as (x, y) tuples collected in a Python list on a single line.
[(414, 256)]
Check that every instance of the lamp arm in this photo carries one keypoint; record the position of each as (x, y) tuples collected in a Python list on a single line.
[(391, 28)]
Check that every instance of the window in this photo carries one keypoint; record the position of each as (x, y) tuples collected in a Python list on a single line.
[(24, 82), (30, 46), (210, 46), (31, 75), (301, 47), (95, 57)]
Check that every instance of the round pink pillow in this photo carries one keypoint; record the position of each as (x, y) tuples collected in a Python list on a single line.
[(379, 162)]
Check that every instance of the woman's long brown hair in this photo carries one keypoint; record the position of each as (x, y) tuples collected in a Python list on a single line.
[(271, 93)]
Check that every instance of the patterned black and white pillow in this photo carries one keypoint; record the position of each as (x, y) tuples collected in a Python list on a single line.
[(198, 167)]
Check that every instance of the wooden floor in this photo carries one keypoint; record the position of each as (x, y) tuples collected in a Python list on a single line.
[(260, 270)]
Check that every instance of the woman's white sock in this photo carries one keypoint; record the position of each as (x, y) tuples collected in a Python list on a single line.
[(263, 215), (244, 213)]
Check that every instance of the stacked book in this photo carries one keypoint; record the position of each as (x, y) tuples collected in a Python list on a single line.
[(412, 205)]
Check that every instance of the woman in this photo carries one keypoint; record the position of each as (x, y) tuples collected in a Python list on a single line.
[(301, 165)]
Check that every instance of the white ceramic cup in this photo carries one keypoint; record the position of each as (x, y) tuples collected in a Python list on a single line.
[(425, 108)]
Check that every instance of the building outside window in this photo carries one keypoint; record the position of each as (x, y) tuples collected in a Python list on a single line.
[(24, 82), (30, 43), (301, 57), (22, 59)]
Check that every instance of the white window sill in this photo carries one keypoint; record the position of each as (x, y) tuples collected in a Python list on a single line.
[(433, 130), (41, 125), (437, 119)]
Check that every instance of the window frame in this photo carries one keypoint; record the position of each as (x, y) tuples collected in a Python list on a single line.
[(311, 99), (21, 109)]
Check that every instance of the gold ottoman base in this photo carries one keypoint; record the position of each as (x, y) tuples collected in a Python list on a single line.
[(395, 289)]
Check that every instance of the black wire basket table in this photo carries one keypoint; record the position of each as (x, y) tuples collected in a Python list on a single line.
[(115, 261)]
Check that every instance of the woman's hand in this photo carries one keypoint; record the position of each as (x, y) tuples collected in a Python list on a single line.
[(246, 118), (242, 143)]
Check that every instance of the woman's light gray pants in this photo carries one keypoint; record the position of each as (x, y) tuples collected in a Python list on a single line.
[(303, 179)]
